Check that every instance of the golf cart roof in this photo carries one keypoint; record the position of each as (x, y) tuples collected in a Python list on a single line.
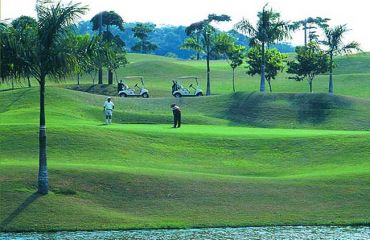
[(131, 77), (187, 77), (135, 77)]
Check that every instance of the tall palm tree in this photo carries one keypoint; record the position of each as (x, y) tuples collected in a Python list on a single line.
[(202, 37), (334, 42), (50, 57), (269, 29), (54, 22)]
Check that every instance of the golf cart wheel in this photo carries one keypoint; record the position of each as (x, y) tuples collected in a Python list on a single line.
[(145, 95), (123, 95), (199, 94), (177, 95)]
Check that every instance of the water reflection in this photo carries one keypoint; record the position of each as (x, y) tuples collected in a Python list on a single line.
[(253, 233)]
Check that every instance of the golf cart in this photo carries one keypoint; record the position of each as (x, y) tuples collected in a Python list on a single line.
[(178, 90), (138, 90)]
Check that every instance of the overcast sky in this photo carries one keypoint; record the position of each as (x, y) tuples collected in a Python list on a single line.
[(354, 13)]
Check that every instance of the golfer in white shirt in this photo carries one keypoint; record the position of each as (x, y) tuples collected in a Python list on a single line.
[(108, 109)]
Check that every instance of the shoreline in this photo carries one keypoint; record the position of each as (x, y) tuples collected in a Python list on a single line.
[(192, 228)]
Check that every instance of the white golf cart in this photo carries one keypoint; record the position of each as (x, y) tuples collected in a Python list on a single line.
[(178, 90), (138, 90)]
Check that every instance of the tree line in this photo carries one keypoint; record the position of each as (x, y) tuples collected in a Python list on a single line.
[(49, 48), (168, 39)]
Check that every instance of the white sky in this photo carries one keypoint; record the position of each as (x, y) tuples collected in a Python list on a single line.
[(354, 13)]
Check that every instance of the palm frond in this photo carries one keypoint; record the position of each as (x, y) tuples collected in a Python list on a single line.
[(245, 27), (351, 47), (334, 41)]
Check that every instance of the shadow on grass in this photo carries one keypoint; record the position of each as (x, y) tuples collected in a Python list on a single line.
[(284, 109), (20, 209), (5, 108)]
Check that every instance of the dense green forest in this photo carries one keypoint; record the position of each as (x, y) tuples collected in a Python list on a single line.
[(169, 39)]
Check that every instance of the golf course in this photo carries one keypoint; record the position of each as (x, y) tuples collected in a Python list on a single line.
[(240, 159)]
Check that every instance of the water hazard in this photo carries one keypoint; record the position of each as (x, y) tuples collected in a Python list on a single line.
[(253, 233)]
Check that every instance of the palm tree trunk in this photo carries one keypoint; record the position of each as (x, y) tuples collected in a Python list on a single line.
[(234, 79), (43, 182), (110, 77), (310, 82), (262, 85), (78, 79), (331, 75), (100, 76), (208, 92), (29, 82), (198, 52), (305, 32)]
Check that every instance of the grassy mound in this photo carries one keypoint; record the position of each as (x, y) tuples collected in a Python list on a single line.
[(282, 110), (219, 169)]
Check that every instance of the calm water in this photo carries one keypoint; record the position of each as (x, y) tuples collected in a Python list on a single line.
[(260, 233)]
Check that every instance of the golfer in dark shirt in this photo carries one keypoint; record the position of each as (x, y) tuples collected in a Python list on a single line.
[(176, 115)]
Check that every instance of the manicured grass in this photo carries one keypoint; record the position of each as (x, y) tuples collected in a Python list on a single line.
[(154, 176), (219, 169)]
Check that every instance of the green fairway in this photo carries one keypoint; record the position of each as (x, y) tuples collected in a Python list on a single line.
[(220, 169)]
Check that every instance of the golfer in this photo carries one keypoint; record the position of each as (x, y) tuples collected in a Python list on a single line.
[(108, 109), (120, 86), (176, 115)]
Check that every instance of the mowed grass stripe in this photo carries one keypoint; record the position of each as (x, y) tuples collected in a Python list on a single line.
[(253, 152)]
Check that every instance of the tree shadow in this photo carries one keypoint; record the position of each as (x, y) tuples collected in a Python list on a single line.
[(247, 109), (314, 112), (5, 108), (20, 209), (317, 108), (285, 109)]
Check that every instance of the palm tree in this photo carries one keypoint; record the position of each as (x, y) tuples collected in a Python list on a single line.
[(202, 37), (334, 42), (53, 23), (108, 19), (269, 29), (50, 57), (309, 26)]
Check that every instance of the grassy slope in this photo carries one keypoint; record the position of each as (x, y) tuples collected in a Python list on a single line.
[(222, 173), (351, 76)]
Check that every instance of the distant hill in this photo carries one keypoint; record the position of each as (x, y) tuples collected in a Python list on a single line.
[(169, 39)]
